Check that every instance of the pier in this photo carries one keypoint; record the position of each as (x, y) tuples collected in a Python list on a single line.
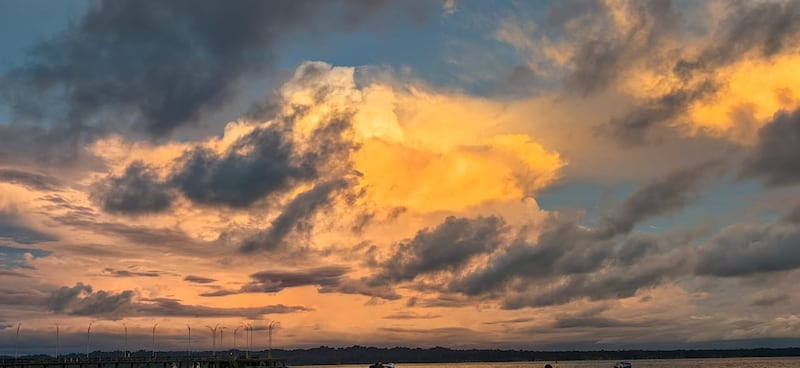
[(146, 362)]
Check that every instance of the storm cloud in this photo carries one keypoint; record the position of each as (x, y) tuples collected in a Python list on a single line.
[(106, 67), (446, 247), (776, 157), (294, 217), (137, 191), (748, 249)]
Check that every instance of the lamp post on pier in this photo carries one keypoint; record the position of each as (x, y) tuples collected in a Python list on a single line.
[(154, 340), (16, 343), (125, 328), (57, 342), (213, 339), (88, 338), (271, 324), (189, 352)]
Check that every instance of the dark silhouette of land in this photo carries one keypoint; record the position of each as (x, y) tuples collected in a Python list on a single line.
[(368, 355)]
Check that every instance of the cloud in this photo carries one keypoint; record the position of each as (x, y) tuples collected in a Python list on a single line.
[(634, 127), (13, 257), (447, 247), (294, 217), (81, 300), (275, 281), (204, 53), (137, 191), (138, 234), (749, 249), (11, 228), (411, 315), (256, 166), (29, 180), (776, 157), (658, 197), (128, 273), (198, 279), (569, 260)]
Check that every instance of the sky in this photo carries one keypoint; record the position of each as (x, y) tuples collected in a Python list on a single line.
[(595, 174)]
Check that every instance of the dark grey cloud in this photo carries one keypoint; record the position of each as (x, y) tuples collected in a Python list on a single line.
[(509, 321), (570, 260), (601, 59), (11, 228), (636, 126), (129, 273), (158, 66), (766, 28), (447, 247), (22, 297), (81, 300), (258, 164), (793, 216), (275, 281), (771, 300), (137, 191), (198, 279), (327, 279), (360, 286), (411, 315), (749, 249), (32, 180), (776, 157), (663, 195), (9, 273), (295, 217), (136, 234), (174, 308), (62, 297), (589, 322)]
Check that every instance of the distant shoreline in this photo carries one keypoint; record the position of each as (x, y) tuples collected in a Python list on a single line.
[(366, 355)]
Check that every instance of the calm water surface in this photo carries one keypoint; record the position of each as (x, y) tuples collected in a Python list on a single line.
[(666, 363)]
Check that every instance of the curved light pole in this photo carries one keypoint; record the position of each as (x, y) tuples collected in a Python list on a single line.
[(16, 342), (125, 328), (248, 329), (88, 338), (271, 324), (189, 352), (213, 339), (154, 340), (234, 337), (57, 342), (221, 342)]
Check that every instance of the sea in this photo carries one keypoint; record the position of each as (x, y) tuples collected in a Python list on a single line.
[(655, 363)]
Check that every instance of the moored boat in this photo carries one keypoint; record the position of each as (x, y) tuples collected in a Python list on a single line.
[(623, 365)]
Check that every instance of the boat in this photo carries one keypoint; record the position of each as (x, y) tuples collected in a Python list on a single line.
[(623, 365), (382, 365)]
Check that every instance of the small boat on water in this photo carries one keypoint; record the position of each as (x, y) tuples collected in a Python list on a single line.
[(623, 365), (382, 365)]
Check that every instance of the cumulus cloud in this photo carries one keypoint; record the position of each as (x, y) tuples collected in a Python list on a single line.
[(257, 165), (776, 157), (137, 191)]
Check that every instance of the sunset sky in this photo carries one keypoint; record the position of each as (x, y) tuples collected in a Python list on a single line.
[(595, 174)]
